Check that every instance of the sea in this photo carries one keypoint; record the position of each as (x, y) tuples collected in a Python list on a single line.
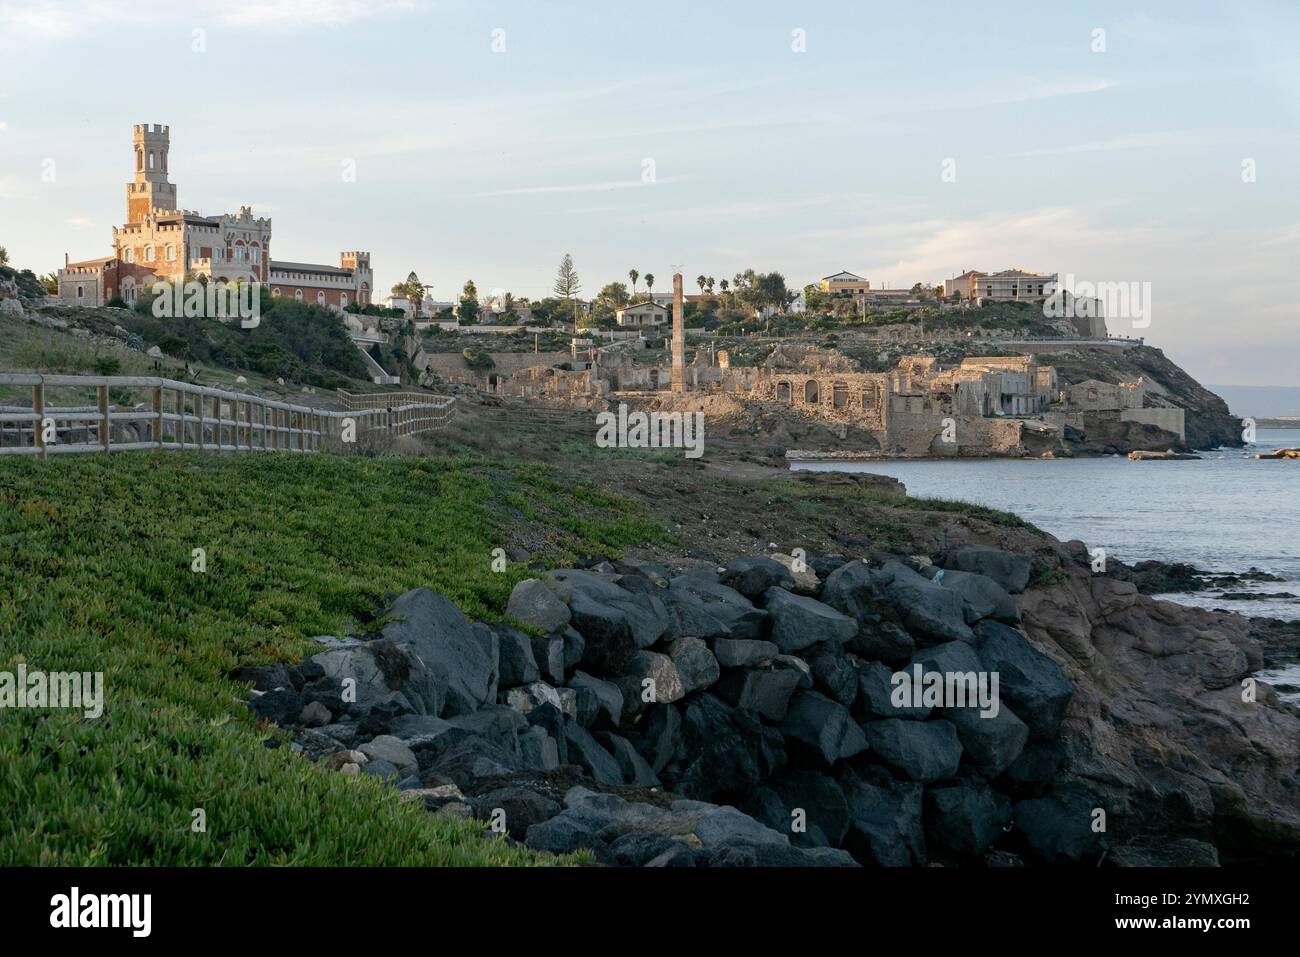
[(1227, 512)]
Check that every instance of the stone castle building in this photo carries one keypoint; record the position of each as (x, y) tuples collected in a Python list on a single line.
[(162, 242)]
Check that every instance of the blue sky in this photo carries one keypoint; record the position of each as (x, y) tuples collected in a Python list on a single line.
[(1122, 165)]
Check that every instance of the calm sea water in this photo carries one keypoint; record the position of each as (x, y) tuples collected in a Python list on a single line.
[(1227, 512)]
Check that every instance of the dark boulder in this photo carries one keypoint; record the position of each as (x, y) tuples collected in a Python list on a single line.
[(283, 705), (1031, 682), (885, 817), (965, 817), (927, 609), (796, 621), (922, 751), (520, 807), (752, 575), (876, 699), (855, 590), (707, 609), (981, 597), (695, 663), (518, 664), (823, 727), (1059, 828), (1009, 570), (743, 652)]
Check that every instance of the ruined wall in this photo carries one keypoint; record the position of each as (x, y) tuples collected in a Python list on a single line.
[(913, 433), (1169, 419), (451, 365)]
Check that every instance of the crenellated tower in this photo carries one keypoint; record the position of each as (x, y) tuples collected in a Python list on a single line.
[(150, 192)]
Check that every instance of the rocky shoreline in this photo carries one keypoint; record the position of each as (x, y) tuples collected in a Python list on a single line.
[(753, 715)]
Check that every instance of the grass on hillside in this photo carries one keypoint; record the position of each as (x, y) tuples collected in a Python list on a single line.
[(95, 575)]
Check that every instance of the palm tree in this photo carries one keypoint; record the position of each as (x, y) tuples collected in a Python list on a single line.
[(633, 275), (723, 284), (650, 285), (709, 282), (701, 281)]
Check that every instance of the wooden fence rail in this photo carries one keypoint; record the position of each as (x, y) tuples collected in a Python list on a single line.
[(180, 415)]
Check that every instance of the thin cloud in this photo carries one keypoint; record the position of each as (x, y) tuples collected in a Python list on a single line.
[(584, 187)]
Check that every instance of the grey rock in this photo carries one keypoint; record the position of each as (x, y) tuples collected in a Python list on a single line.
[(1031, 682), (981, 597), (766, 691), (885, 819), (650, 666), (283, 705), (825, 810), (520, 807), (965, 817), (706, 609), (834, 675), (797, 621), (463, 658), (634, 767), (752, 575), (606, 692), (743, 652), (532, 603), (695, 663), (1009, 570), (587, 753), (926, 608), (858, 592), (518, 663), (394, 751), (991, 743), (1058, 828), (529, 697), (876, 695), (660, 735), (823, 726), (923, 751), (548, 652), (538, 750), (314, 715)]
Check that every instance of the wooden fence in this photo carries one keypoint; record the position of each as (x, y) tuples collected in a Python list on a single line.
[(180, 415)]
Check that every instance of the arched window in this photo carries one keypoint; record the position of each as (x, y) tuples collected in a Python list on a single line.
[(343, 300), (297, 295), (130, 255), (839, 395), (868, 398), (810, 392), (148, 254), (364, 298), (275, 293), (320, 298), (171, 253), (151, 160), (783, 392)]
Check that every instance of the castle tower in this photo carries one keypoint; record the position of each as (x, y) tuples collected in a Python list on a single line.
[(150, 192), (679, 336)]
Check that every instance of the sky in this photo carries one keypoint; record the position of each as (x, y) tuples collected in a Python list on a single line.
[(1111, 142)]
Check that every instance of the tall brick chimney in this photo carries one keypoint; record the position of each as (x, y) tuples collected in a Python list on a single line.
[(679, 336)]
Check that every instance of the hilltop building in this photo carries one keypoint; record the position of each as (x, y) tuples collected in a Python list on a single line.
[(162, 242), (844, 281), (1009, 285)]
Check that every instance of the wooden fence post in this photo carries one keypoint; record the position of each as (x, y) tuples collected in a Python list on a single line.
[(105, 432), (38, 430), (158, 411)]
